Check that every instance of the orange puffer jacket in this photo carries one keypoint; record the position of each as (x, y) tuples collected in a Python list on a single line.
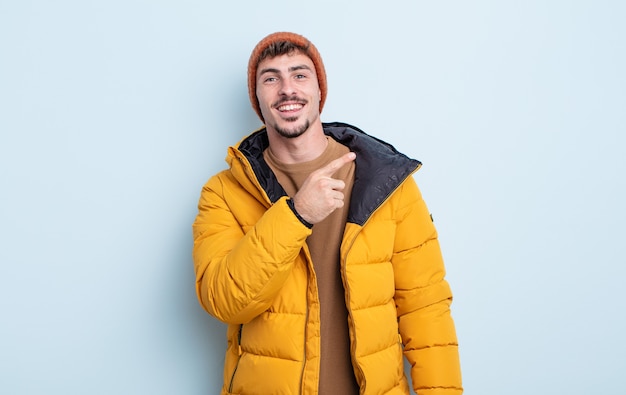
[(254, 272)]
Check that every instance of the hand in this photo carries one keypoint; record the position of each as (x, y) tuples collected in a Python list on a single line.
[(321, 194)]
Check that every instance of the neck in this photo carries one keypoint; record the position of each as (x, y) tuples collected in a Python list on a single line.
[(304, 148)]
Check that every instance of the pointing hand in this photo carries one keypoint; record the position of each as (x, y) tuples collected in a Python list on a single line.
[(321, 194)]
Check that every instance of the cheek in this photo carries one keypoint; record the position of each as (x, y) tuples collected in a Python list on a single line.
[(265, 103), (263, 99)]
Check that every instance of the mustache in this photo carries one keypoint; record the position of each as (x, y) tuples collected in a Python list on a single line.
[(292, 99)]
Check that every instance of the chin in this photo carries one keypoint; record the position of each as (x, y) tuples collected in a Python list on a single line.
[(292, 131)]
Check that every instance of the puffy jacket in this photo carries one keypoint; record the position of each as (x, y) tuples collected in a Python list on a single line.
[(254, 272)]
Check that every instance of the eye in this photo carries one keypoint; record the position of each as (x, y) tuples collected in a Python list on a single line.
[(270, 79), (300, 76)]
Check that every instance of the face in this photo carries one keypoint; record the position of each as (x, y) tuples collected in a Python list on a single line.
[(288, 94)]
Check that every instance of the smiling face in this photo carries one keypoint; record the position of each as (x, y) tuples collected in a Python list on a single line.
[(288, 93)]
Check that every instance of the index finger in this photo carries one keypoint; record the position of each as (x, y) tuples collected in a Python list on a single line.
[(337, 164)]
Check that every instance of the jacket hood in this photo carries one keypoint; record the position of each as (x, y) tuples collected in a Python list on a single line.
[(379, 167)]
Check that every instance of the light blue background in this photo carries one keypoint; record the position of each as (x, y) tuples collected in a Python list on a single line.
[(113, 115)]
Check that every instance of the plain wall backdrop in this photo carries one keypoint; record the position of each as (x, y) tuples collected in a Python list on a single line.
[(114, 113)]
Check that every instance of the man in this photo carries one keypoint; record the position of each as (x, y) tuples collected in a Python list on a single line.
[(317, 250)]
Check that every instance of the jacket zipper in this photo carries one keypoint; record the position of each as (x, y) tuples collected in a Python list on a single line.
[(232, 379), (306, 322), (304, 353)]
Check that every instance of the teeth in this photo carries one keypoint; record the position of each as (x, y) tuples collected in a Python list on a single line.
[(290, 107)]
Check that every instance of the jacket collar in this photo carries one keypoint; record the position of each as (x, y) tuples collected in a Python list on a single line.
[(379, 167)]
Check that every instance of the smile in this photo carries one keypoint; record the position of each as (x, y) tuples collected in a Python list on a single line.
[(290, 107)]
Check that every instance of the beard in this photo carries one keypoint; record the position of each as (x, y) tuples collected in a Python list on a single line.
[(295, 131)]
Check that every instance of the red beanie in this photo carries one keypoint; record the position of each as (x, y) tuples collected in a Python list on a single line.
[(296, 39)]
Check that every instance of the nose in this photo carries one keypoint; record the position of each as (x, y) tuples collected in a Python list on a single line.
[(286, 87)]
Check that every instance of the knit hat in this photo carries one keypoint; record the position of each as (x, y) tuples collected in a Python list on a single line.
[(309, 50)]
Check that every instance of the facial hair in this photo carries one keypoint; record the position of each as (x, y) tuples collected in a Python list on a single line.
[(295, 132)]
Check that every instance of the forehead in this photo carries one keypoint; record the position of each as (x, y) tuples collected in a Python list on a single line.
[(285, 63)]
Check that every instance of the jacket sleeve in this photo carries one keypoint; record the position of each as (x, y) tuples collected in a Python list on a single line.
[(239, 272), (423, 299)]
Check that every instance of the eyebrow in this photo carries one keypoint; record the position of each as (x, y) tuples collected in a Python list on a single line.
[(291, 69), (299, 67)]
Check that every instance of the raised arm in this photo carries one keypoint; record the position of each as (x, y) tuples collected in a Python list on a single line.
[(243, 252)]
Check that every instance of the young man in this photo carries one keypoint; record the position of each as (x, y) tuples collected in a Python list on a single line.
[(317, 250)]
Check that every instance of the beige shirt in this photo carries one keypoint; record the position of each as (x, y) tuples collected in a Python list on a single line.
[(336, 373)]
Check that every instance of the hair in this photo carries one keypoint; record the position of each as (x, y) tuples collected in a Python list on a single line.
[(280, 48)]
